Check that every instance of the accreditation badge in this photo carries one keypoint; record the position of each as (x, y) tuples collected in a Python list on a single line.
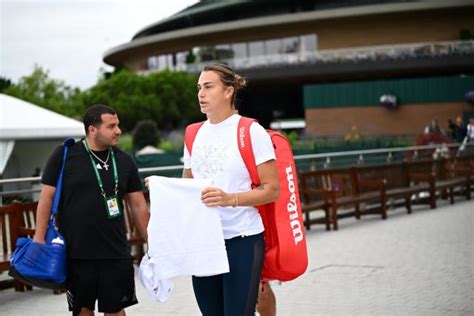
[(112, 207)]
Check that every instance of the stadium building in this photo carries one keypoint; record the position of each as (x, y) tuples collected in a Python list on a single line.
[(388, 67)]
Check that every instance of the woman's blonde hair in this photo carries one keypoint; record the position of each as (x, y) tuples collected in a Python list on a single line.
[(228, 77)]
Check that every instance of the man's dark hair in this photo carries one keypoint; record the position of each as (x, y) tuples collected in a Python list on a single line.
[(93, 115)]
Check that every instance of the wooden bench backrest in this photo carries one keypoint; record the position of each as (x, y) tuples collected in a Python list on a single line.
[(421, 166), (340, 180), (311, 181), (464, 162), (8, 231), (343, 181), (463, 165), (440, 168), (26, 214), (395, 174)]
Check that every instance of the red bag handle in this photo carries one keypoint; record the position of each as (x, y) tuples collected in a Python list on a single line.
[(190, 134), (244, 142)]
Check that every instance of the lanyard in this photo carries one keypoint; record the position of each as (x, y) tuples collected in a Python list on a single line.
[(97, 175)]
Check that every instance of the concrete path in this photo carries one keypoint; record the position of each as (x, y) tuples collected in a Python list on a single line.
[(418, 264)]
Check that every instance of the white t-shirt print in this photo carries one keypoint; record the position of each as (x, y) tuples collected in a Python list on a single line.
[(215, 156)]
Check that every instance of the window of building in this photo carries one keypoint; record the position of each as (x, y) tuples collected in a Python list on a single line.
[(236, 52), (224, 51), (181, 58), (272, 46), (152, 62), (309, 42), (256, 49), (240, 50), (165, 61), (290, 45)]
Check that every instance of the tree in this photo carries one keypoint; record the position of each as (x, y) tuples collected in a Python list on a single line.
[(38, 88), (168, 98), (4, 83)]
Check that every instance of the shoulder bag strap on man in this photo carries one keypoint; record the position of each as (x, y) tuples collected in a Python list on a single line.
[(57, 194)]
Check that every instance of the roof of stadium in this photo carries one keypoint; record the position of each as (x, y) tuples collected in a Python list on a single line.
[(215, 21)]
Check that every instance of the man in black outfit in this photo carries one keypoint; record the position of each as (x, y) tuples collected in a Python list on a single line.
[(458, 129), (97, 176)]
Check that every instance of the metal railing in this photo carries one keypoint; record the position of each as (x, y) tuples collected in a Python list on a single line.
[(303, 162), (352, 54), (380, 156)]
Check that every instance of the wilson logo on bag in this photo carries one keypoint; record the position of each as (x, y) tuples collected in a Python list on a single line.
[(286, 256)]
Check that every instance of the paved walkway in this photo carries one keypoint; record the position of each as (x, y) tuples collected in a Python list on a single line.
[(418, 264)]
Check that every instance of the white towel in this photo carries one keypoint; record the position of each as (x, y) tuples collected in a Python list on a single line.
[(184, 236), (160, 290)]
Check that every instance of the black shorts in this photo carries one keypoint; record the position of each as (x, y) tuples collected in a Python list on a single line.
[(111, 282)]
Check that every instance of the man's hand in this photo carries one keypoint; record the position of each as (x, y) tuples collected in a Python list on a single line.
[(43, 212), (141, 214), (39, 240)]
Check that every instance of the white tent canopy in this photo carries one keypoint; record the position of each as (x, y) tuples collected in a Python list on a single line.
[(27, 130), (6, 149), (22, 120)]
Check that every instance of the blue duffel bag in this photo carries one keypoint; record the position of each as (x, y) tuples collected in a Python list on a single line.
[(43, 265), (40, 265)]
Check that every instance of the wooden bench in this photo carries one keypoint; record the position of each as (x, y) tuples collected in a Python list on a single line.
[(339, 187), (7, 241), (439, 179), (314, 199), (11, 228), (25, 214), (461, 166), (397, 182)]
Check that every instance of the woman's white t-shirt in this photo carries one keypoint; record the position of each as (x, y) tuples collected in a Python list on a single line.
[(216, 156)]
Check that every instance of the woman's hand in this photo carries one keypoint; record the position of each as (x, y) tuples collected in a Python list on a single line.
[(147, 183), (213, 197)]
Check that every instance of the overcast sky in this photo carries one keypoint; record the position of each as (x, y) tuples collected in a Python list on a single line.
[(69, 37)]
